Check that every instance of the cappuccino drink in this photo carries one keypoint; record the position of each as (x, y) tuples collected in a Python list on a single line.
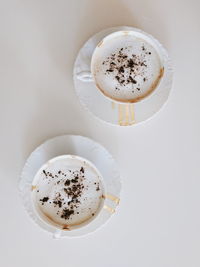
[(126, 66), (68, 192)]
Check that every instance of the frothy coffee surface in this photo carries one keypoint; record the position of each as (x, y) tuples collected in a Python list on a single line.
[(68, 192), (126, 68)]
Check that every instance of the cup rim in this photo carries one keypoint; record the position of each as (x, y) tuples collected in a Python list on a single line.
[(156, 45), (83, 224)]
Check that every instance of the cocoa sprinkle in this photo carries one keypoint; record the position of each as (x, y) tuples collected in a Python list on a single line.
[(126, 68)]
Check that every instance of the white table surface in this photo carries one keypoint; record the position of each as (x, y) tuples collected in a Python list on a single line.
[(158, 223)]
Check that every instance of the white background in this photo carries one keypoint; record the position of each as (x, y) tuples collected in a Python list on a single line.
[(158, 222)]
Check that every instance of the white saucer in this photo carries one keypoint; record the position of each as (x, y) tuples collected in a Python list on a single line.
[(83, 147), (107, 110)]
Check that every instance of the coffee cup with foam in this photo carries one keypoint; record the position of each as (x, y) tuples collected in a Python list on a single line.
[(68, 192), (126, 66)]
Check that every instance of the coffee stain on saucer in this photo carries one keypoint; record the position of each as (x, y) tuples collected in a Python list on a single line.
[(33, 187), (109, 209), (113, 198), (126, 115), (125, 32), (132, 113), (66, 227), (100, 44)]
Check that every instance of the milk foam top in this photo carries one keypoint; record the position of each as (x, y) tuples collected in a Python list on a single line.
[(126, 66), (68, 191)]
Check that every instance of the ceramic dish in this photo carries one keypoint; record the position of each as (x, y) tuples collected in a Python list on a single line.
[(123, 114), (87, 149)]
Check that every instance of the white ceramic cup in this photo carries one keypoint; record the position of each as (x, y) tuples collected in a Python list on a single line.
[(89, 75), (67, 158), (88, 150)]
